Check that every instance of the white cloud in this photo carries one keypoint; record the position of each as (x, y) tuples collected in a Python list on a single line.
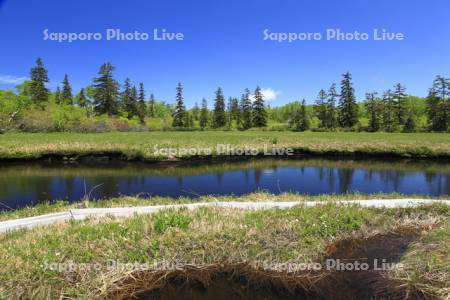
[(11, 79), (269, 94)]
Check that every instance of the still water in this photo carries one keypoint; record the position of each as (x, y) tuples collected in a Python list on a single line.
[(28, 184)]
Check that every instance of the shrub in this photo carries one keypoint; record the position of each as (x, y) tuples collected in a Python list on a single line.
[(170, 219)]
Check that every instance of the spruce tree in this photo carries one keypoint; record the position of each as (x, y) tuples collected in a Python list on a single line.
[(320, 108), (38, 78), (127, 101), (134, 102), (188, 119), (300, 120), (151, 106), (258, 110), (348, 109), (373, 111), (58, 95), (81, 99), (390, 117), (246, 110), (66, 93), (438, 104), (179, 117), (196, 111), (332, 116), (219, 118), (141, 106), (105, 91), (410, 124), (204, 115), (401, 108), (234, 108)]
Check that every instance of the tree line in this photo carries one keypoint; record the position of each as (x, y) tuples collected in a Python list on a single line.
[(389, 112)]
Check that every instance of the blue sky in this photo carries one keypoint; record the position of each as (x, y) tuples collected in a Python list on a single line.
[(223, 44)]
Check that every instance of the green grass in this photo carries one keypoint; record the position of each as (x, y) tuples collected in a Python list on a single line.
[(201, 236), (59, 206), (141, 145)]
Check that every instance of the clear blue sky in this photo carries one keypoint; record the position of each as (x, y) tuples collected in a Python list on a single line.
[(223, 44)]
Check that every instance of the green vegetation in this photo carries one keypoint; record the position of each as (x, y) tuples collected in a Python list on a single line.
[(147, 146), (106, 105), (60, 206), (201, 237), (427, 262)]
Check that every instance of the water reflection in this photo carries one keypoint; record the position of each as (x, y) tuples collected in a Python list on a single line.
[(27, 184)]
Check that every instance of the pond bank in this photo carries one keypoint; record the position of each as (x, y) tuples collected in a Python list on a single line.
[(91, 258), (157, 146), (85, 213)]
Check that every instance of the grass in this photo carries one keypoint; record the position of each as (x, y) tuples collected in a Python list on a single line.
[(59, 206), (141, 145), (427, 263), (202, 236)]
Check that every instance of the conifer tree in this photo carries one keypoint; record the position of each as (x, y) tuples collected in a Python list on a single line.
[(410, 124), (38, 78), (66, 93), (259, 113), (320, 108), (373, 111), (141, 105), (151, 106), (438, 104), (204, 115), (105, 91), (179, 117), (58, 95), (219, 118), (188, 119), (127, 100), (390, 117), (246, 110), (399, 95), (196, 111), (332, 116), (234, 108), (348, 109), (134, 102), (81, 99), (300, 121)]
